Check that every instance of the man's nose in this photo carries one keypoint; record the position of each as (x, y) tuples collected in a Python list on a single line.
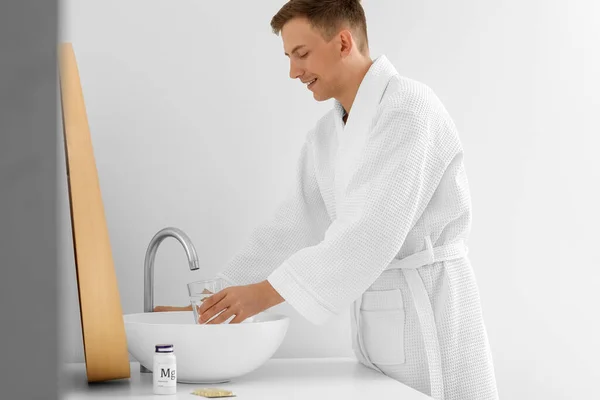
[(295, 72)]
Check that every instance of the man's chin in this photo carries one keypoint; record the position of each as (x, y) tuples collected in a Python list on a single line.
[(319, 97)]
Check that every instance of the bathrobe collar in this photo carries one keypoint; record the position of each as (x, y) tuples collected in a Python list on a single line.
[(368, 97), (352, 137)]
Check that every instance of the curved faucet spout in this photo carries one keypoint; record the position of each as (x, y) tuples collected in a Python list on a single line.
[(190, 251)]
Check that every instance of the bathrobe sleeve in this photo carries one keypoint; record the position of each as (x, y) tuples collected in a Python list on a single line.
[(387, 192), (300, 221)]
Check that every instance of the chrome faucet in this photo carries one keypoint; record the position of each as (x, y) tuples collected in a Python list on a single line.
[(189, 248), (192, 256)]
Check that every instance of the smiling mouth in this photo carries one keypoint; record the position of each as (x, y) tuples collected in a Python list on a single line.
[(309, 84)]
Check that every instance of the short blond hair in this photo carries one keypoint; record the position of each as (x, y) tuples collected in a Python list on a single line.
[(328, 16)]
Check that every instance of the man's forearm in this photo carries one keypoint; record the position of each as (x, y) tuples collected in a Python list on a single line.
[(272, 297)]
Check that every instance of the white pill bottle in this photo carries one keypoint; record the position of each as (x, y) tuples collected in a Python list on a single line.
[(165, 370)]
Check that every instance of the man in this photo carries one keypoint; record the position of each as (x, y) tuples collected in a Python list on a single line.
[(378, 218)]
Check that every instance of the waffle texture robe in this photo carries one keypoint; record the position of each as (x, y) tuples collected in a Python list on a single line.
[(378, 221)]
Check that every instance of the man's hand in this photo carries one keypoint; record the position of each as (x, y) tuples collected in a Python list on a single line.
[(241, 301)]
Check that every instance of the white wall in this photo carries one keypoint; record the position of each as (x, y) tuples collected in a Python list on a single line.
[(181, 139)]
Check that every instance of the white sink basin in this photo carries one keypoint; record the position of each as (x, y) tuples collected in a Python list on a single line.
[(206, 353)]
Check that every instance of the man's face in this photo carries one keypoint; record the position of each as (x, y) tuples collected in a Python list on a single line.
[(312, 59)]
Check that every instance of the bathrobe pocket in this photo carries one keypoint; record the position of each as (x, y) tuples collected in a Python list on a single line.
[(383, 319)]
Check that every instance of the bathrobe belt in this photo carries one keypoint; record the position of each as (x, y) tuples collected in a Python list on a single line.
[(408, 266)]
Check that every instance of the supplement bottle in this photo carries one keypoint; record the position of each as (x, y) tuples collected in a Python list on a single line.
[(164, 371)]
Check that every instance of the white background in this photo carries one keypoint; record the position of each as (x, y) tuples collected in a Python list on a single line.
[(196, 124)]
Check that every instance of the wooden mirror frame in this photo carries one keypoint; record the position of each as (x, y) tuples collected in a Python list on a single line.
[(103, 328)]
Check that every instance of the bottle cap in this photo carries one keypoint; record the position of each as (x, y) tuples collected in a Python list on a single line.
[(163, 348)]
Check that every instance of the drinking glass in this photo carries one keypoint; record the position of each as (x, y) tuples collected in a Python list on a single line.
[(200, 290)]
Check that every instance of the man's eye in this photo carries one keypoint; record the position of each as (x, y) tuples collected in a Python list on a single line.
[(304, 55)]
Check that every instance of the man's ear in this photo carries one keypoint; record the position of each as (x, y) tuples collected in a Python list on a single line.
[(346, 42)]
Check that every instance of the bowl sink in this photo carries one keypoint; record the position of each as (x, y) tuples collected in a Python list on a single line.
[(206, 353)]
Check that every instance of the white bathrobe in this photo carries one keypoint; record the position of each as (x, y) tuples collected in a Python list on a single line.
[(378, 221)]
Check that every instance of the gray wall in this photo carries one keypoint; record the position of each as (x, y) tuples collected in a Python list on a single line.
[(182, 139), (28, 245)]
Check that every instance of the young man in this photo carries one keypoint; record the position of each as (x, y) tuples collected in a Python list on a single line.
[(378, 219)]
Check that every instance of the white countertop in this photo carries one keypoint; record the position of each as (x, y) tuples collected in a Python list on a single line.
[(302, 378)]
